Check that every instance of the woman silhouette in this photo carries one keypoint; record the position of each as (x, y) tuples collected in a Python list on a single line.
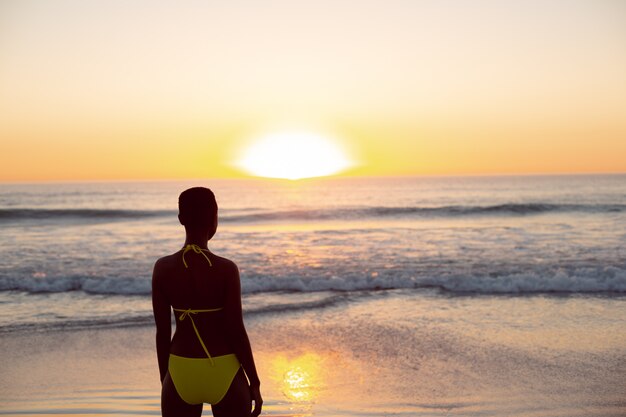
[(209, 357)]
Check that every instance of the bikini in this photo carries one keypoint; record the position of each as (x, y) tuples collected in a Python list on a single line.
[(201, 380)]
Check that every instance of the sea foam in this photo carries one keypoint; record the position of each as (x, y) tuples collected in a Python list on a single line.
[(577, 280)]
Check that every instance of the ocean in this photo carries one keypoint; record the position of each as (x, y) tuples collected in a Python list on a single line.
[(467, 263)]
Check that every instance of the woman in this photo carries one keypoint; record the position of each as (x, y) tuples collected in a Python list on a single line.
[(209, 357)]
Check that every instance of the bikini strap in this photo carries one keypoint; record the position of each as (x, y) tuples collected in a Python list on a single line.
[(188, 313), (196, 249)]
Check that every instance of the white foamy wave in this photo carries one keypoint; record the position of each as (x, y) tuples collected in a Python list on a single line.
[(91, 285), (579, 280)]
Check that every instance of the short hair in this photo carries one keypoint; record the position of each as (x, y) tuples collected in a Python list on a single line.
[(197, 206)]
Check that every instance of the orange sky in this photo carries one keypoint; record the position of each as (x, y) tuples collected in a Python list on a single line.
[(138, 90)]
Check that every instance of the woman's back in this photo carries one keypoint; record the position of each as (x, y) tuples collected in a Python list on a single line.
[(200, 286)]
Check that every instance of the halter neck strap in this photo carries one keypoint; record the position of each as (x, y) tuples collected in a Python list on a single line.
[(197, 249)]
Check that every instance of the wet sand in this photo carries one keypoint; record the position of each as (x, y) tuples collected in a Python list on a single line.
[(387, 353)]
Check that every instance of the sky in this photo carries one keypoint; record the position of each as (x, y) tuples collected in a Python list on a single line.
[(144, 89)]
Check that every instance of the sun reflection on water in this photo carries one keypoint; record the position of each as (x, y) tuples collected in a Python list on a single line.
[(299, 378)]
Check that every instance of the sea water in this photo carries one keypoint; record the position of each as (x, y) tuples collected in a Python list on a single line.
[(475, 296), (81, 254)]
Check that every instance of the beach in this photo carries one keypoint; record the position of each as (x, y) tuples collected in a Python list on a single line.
[(425, 201), (494, 296), (385, 354)]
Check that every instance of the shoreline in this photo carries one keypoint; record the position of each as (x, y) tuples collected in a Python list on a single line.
[(287, 303), (401, 354)]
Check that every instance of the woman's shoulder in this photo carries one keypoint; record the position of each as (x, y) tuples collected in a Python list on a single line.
[(225, 263), (167, 262)]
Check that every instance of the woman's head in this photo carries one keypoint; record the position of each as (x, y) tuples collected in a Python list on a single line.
[(197, 210)]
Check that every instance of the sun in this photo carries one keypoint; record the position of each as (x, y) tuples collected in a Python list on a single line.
[(293, 156)]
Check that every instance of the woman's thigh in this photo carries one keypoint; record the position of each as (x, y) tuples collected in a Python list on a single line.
[(174, 406), (237, 401)]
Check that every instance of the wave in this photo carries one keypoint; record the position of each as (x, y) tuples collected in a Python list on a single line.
[(583, 280), (142, 318), (578, 281), (89, 285), (79, 324), (344, 213), (273, 295), (93, 214), (421, 211)]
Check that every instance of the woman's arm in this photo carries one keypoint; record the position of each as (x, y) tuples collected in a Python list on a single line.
[(236, 329), (163, 320), (239, 337)]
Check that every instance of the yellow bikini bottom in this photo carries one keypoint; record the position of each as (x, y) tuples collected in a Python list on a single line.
[(198, 381)]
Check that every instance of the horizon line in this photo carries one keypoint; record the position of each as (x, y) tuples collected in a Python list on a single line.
[(328, 177)]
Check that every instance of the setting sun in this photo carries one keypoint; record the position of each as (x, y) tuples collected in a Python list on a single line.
[(293, 156)]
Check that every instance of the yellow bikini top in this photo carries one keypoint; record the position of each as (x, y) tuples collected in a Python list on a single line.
[(188, 312)]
